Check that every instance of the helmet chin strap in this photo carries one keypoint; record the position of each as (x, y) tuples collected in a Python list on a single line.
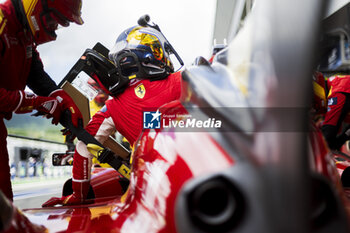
[(22, 17), (46, 11), (141, 73), (45, 7), (50, 33), (135, 64)]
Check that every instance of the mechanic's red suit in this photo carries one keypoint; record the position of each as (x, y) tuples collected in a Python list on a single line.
[(123, 113), (20, 66), (337, 112)]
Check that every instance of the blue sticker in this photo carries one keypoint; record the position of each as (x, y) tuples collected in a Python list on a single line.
[(332, 101), (103, 109)]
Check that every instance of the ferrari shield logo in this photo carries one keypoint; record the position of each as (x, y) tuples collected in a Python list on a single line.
[(140, 91)]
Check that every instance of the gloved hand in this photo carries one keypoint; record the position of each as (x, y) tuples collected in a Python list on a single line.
[(47, 105), (66, 102)]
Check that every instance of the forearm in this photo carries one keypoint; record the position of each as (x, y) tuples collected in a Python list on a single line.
[(38, 80)]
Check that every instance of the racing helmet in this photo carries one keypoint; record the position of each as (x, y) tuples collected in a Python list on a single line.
[(43, 16), (142, 52)]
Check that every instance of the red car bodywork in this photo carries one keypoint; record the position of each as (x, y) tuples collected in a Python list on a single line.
[(162, 163)]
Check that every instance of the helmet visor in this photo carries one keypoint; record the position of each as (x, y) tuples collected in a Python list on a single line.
[(139, 39)]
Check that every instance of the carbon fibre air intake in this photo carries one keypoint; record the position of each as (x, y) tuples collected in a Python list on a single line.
[(213, 205)]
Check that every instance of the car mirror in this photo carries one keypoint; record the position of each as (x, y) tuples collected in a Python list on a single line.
[(62, 159)]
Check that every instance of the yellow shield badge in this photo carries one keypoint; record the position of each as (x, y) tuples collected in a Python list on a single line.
[(140, 91)]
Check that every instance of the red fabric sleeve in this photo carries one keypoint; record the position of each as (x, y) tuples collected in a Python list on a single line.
[(335, 109)]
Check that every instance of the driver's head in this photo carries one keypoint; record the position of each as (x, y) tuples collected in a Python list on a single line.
[(43, 16), (142, 52)]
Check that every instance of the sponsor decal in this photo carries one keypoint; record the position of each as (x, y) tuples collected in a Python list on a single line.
[(332, 101), (140, 91), (29, 52), (35, 24)]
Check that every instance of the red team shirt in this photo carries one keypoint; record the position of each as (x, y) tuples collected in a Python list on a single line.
[(20, 65), (337, 85), (15, 57), (126, 110)]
